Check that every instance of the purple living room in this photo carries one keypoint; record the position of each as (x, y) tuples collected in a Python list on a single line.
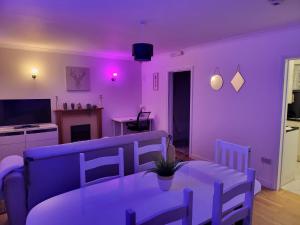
[(150, 112)]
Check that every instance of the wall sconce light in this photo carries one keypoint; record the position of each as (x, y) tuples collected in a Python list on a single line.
[(114, 76), (34, 73)]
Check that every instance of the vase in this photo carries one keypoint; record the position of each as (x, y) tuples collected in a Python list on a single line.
[(88, 106), (65, 106), (164, 183)]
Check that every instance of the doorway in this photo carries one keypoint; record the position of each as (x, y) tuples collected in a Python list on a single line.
[(179, 112), (290, 137)]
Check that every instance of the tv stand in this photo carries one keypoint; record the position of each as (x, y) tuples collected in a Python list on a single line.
[(26, 126), (14, 140)]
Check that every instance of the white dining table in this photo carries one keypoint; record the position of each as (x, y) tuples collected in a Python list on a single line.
[(105, 203)]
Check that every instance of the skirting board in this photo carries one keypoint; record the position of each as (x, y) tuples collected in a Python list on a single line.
[(196, 157)]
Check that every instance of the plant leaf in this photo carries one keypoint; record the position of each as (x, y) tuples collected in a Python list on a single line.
[(166, 168)]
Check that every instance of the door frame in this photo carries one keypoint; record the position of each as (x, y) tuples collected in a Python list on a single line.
[(277, 184), (170, 102)]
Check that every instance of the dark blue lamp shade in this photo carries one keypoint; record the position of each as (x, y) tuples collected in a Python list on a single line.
[(142, 51)]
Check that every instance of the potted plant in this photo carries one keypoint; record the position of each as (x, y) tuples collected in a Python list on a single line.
[(165, 171)]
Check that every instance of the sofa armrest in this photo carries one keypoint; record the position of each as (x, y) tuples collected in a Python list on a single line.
[(15, 197)]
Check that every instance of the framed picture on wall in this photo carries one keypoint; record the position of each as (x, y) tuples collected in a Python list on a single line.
[(155, 81), (77, 78)]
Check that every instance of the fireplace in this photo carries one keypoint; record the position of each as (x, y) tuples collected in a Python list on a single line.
[(80, 132), (76, 117)]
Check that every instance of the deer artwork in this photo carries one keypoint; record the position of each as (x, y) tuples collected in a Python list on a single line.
[(78, 76)]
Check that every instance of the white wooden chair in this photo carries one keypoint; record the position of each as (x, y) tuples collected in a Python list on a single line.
[(138, 151), (221, 197), (182, 212), (232, 155), (98, 162)]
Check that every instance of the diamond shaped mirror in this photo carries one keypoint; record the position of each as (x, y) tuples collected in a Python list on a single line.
[(238, 80)]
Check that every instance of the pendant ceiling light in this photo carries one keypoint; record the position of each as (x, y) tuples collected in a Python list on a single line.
[(142, 51), (276, 2)]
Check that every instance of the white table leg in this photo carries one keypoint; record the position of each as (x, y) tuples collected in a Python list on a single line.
[(122, 128)]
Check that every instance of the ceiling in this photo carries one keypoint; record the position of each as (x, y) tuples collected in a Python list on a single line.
[(109, 27)]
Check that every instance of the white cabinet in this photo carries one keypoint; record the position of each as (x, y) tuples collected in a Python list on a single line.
[(40, 143), (290, 82), (8, 137), (295, 124), (16, 141), (289, 155), (293, 79), (296, 71), (41, 137)]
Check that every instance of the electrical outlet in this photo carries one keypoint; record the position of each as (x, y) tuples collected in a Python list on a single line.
[(266, 160)]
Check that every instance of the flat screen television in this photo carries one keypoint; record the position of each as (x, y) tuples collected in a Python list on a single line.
[(24, 111)]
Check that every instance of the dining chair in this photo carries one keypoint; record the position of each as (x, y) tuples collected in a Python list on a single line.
[(232, 155), (139, 151), (243, 213), (182, 212), (98, 162), (142, 122)]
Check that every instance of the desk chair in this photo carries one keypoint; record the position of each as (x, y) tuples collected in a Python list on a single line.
[(142, 122)]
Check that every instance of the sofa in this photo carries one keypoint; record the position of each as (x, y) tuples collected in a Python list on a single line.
[(52, 170)]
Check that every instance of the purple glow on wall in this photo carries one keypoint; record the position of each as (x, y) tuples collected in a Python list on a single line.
[(111, 72), (114, 76), (250, 117)]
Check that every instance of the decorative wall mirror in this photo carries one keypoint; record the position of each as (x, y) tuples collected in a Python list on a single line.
[(216, 80), (238, 80)]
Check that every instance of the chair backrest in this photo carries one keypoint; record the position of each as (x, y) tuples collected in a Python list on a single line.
[(232, 155), (98, 162), (221, 197), (138, 151), (182, 212), (143, 119)]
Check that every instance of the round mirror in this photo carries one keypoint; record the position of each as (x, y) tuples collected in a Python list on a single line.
[(216, 82)]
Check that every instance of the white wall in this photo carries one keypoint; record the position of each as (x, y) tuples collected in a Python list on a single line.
[(120, 98), (250, 117)]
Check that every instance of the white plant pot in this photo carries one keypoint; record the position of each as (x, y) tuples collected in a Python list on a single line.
[(164, 183)]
